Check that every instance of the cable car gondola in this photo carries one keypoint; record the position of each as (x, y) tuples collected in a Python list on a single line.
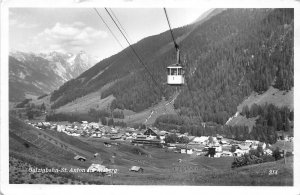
[(175, 72), (175, 75)]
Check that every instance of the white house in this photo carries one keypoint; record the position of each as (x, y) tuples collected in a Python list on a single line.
[(218, 155), (224, 142), (218, 148), (189, 151), (96, 134), (97, 168), (61, 128), (239, 152), (94, 125), (200, 140), (268, 152), (252, 142), (46, 124)]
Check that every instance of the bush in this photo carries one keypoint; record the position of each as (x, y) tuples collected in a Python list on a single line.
[(276, 154), (254, 152), (26, 145), (171, 138), (233, 148), (23, 103), (40, 97)]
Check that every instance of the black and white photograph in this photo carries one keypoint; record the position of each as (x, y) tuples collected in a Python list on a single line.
[(101, 95)]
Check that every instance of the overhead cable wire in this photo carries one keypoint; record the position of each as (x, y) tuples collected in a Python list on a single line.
[(108, 28), (102, 19), (140, 60), (115, 37), (128, 41), (177, 47), (175, 44), (121, 28), (114, 15)]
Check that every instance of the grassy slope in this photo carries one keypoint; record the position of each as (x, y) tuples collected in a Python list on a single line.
[(84, 104), (271, 96), (149, 115), (242, 121), (45, 100), (92, 100)]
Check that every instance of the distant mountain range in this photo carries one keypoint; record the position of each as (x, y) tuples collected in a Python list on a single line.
[(33, 74)]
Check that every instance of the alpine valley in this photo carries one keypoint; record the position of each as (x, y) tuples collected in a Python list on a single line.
[(33, 74)]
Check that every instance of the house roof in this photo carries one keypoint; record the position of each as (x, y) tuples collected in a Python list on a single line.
[(78, 157), (184, 147), (244, 147), (200, 139), (191, 137), (97, 166), (150, 132), (135, 168), (199, 147)]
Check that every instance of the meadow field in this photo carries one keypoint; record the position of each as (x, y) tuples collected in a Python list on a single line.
[(30, 147)]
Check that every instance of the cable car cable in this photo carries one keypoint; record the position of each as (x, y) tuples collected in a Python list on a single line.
[(177, 48), (152, 77), (175, 44), (115, 37), (140, 60), (113, 14), (122, 29), (108, 28)]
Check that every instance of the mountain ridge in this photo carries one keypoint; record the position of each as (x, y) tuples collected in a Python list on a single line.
[(37, 74)]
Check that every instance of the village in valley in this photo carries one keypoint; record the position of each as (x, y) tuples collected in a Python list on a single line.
[(203, 146)]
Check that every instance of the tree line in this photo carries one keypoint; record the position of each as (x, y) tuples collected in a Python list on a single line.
[(259, 132), (270, 115)]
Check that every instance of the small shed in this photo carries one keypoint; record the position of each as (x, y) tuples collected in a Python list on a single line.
[(107, 144), (97, 168), (80, 158), (136, 169), (96, 154)]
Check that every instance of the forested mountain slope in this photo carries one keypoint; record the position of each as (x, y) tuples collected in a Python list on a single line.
[(239, 51), (228, 56)]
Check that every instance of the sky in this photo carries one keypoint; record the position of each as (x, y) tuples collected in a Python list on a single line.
[(41, 30)]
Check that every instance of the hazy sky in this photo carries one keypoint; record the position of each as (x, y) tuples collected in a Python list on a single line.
[(74, 29)]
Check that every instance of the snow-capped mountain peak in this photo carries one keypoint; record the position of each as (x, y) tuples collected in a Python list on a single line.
[(50, 69)]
